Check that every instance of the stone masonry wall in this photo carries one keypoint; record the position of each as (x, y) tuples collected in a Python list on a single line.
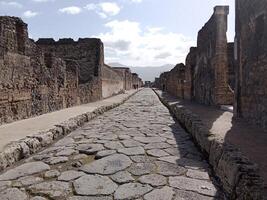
[(175, 81), (89, 56), (190, 65), (30, 83), (251, 55), (211, 72), (127, 76), (112, 82)]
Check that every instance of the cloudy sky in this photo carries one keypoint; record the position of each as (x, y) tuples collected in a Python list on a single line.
[(135, 32)]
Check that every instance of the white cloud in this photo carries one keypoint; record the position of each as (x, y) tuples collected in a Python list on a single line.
[(30, 14), (42, 1), (136, 1), (127, 43), (104, 9), (72, 10), (11, 4)]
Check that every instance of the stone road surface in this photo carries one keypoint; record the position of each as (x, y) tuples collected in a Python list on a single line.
[(135, 151)]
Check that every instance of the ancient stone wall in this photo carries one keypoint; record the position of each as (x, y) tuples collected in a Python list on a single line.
[(89, 56), (127, 76), (251, 55), (190, 65), (231, 65), (112, 81), (211, 72), (175, 81), (30, 83), (136, 81)]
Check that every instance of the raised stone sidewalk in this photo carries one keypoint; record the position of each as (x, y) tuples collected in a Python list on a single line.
[(25, 137), (233, 147)]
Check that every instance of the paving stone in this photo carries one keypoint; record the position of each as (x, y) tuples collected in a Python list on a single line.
[(122, 177), (52, 174), (13, 194), (153, 179), (113, 145), (197, 174), (65, 142), (70, 175), (132, 151), (104, 153), (161, 145), (38, 198), (90, 198), (108, 165), (192, 164), (187, 195), (90, 149), (56, 160), (66, 152), (175, 152), (165, 193), (199, 186), (124, 137), (24, 170), (4, 185), (27, 181), (139, 169), (142, 158), (169, 159), (94, 185), (157, 153), (131, 191), (109, 137), (169, 169), (131, 143), (147, 140), (54, 189)]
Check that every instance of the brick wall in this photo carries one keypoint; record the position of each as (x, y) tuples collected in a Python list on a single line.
[(251, 55)]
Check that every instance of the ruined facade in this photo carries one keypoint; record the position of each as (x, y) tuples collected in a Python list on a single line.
[(175, 81), (112, 82), (251, 57), (190, 65), (127, 77), (48, 75), (136, 81), (211, 73)]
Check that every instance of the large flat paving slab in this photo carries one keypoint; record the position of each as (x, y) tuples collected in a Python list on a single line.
[(124, 170), (28, 127)]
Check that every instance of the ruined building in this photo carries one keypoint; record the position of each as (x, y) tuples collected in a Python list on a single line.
[(251, 56), (208, 75), (49, 75), (211, 72)]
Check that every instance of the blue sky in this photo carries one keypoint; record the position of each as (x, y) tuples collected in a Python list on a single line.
[(135, 32)]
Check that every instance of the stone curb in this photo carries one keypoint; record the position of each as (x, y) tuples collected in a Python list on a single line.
[(18, 150), (239, 177)]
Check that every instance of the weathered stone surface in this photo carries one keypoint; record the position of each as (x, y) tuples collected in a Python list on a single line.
[(142, 159), (157, 153), (13, 194), (27, 181), (113, 145), (53, 189), (94, 185), (200, 186), (38, 198), (131, 191), (56, 160), (166, 193), (184, 195), (169, 169), (52, 174), (122, 177), (90, 198), (24, 170), (70, 175), (138, 169), (104, 153), (170, 159), (132, 151), (197, 174), (153, 179), (157, 146), (131, 143), (108, 165), (147, 140)]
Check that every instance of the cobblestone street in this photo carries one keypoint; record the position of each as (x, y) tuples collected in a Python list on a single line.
[(135, 151)]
